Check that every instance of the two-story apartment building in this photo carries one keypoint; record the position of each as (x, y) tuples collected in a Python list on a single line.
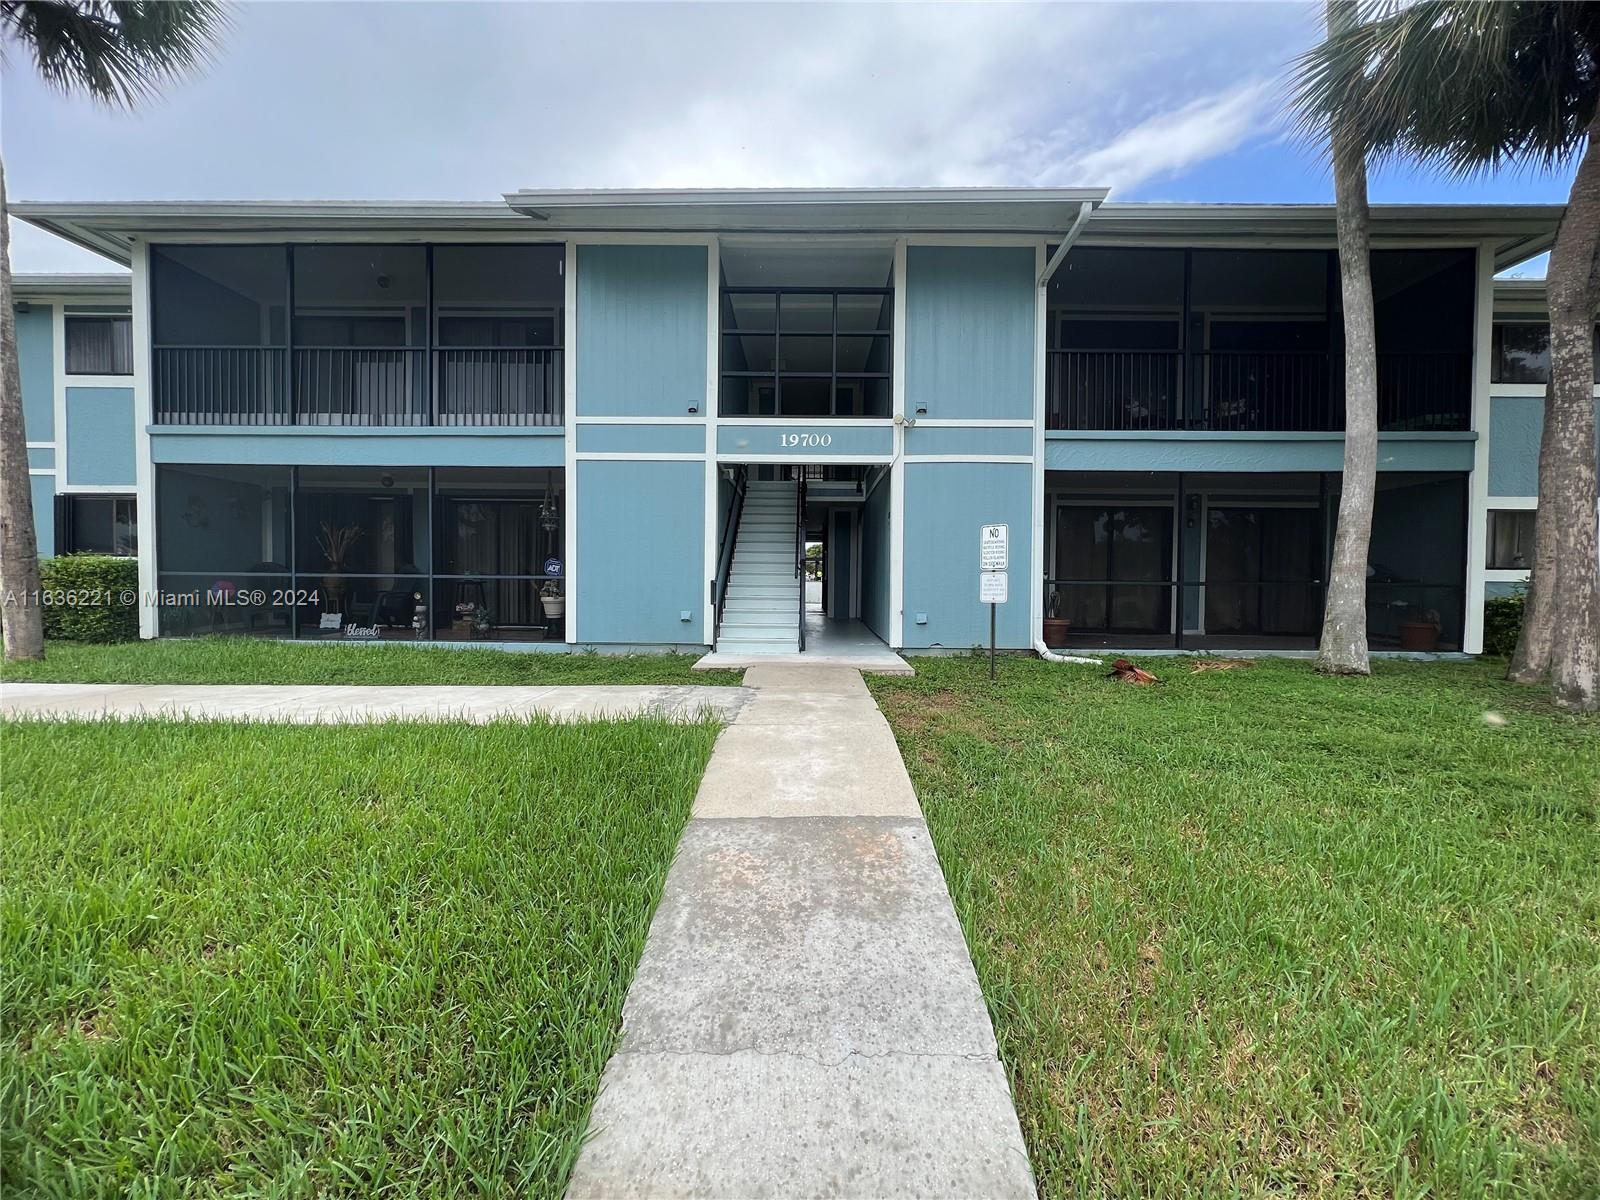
[(617, 419)]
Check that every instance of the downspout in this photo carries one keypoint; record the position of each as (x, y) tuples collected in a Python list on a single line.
[(1071, 236)]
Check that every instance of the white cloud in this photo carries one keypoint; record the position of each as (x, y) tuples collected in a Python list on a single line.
[(1171, 142), (469, 100)]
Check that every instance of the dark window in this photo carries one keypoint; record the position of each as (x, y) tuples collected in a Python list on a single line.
[(1511, 539), (96, 524), (1522, 352), (99, 345), (813, 352)]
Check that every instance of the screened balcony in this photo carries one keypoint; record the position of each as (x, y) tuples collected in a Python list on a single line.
[(1251, 341), (376, 335)]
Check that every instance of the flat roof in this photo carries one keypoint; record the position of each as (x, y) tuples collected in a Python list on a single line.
[(36, 285), (108, 227)]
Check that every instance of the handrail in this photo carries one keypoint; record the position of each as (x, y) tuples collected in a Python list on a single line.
[(730, 533), (800, 554)]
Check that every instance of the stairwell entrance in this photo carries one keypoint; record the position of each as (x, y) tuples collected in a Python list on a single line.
[(802, 572)]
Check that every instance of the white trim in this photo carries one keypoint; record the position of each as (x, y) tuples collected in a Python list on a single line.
[(1478, 480), (1496, 575), (620, 238), (825, 422), (1525, 390), (89, 489), (735, 457), (968, 458), (98, 381), (41, 470), (897, 466), (971, 239), (1036, 547), (569, 417), (709, 415), (39, 445), (143, 417), (1511, 503), (970, 423), (637, 420), (639, 456)]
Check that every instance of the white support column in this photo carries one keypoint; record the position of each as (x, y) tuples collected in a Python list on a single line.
[(569, 387), (1478, 480), (1036, 557), (713, 313), (897, 466), (143, 417), (58, 384)]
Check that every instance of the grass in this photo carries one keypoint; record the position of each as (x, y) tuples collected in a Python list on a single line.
[(1258, 932), (382, 960), (265, 660)]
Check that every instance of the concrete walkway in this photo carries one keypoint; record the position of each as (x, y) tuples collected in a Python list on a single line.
[(330, 705), (829, 643), (805, 1020)]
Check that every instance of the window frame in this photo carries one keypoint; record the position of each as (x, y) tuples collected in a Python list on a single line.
[(121, 342), (776, 376)]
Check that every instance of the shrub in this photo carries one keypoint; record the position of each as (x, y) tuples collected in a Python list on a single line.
[(1502, 622), (92, 598)]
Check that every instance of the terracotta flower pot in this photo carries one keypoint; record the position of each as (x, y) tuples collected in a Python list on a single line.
[(1422, 637), (1055, 631)]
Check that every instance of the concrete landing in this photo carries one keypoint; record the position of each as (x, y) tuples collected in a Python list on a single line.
[(805, 1020), (829, 643), (344, 705)]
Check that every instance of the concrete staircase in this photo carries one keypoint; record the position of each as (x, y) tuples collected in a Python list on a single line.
[(762, 612)]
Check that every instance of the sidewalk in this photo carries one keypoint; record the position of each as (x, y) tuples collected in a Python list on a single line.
[(329, 705), (805, 1020)]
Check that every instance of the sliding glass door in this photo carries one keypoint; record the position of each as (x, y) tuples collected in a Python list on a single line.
[(1114, 567), (1261, 570)]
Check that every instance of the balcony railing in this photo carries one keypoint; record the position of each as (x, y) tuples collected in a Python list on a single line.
[(356, 385), (1248, 391)]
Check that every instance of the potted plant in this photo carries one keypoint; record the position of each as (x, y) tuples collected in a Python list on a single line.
[(553, 600), (482, 623), (335, 541), (1421, 634), (1055, 625)]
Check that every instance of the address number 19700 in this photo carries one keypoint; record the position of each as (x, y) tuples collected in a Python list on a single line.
[(806, 439)]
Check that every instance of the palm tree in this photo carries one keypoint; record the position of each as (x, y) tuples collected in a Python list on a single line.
[(1343, 647), (1469, 87), (118, 52)]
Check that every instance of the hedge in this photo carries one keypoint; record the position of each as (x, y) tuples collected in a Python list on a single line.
[(90, 598), (1502, 623)]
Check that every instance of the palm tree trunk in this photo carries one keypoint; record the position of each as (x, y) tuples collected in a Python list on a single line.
[(1568, 499), (1343, 650), (20, 618)]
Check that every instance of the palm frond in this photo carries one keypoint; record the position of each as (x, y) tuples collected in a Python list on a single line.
[(117, 51), (1461, 85)]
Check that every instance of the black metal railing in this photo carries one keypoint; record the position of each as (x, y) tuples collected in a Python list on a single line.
[(1247, 391), (1242, 614), (730, 535), (356, 385)]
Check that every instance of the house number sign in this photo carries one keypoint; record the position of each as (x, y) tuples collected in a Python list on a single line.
[(807, 440)]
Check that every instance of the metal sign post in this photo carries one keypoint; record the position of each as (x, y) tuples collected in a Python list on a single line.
[(993, 562)]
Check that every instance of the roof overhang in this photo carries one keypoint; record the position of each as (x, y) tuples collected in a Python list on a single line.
[(116, 287), (809, 210), (1518, 231)]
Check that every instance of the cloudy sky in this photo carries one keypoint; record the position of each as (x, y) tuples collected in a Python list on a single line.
[(465, 101)]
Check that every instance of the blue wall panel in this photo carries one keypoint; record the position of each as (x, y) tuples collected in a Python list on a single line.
[(945, 505), (641, 330), (36, 361), (641, 531), (922, 439), (875, 546), (1515, 425), (484, 446), (642, 439), (44, 512), (970, 331), (1250, 452), (100, 436), (41, 458)]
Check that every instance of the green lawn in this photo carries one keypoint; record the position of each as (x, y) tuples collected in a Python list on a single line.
[(1258, 932), (380, 960), (264, 660)]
